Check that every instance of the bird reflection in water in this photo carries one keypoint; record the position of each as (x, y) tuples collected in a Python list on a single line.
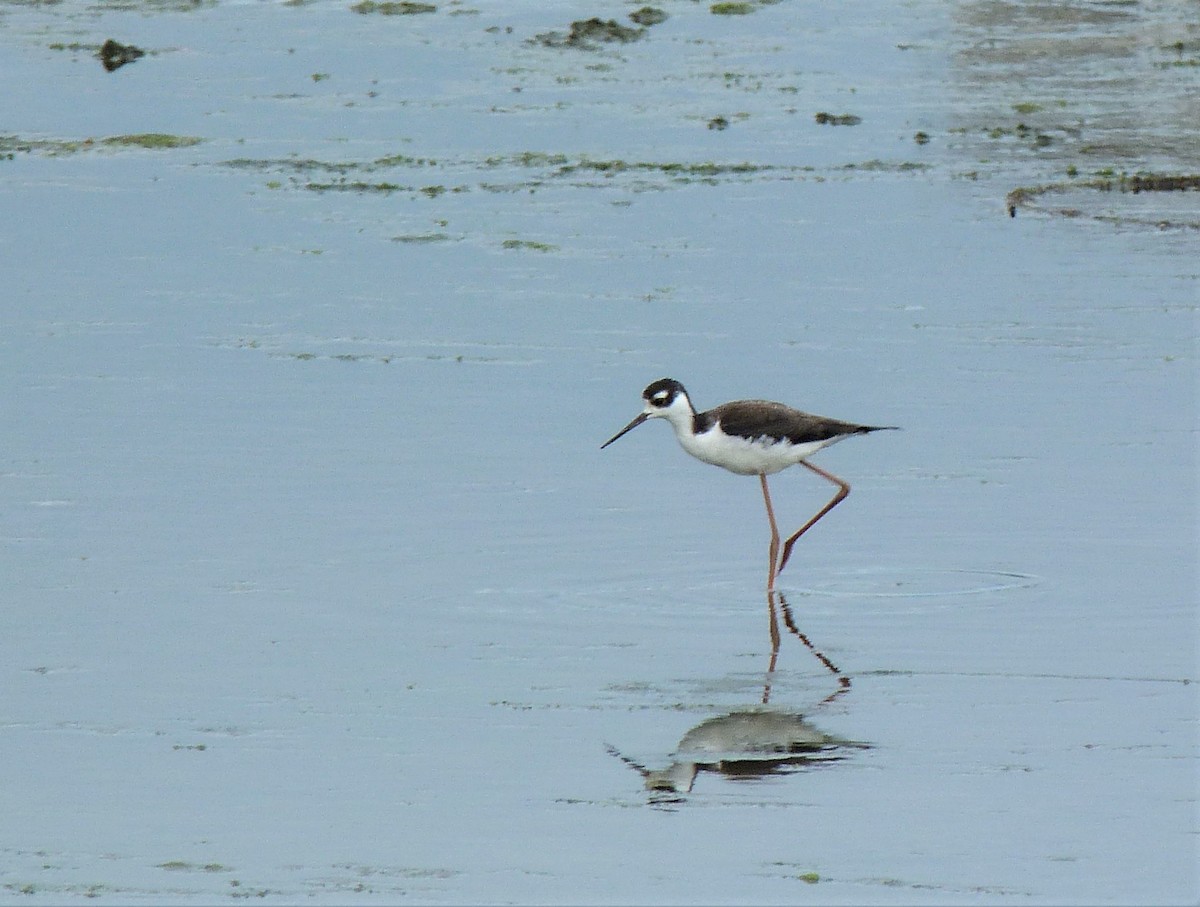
[(751, 743), (743, 745)]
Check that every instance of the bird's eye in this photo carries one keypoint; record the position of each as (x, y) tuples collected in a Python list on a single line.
[(659, 399)]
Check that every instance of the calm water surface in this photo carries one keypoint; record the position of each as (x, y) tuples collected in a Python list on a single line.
[(321, 590)]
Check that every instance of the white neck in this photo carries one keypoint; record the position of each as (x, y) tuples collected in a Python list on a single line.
[(681, 415)]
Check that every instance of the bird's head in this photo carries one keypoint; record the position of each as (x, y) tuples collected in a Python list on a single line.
[(664, 399)]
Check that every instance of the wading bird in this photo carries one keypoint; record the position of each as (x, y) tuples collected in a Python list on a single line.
[(750, 437)]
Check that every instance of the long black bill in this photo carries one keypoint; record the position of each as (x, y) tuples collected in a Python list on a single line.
[(641, 417)]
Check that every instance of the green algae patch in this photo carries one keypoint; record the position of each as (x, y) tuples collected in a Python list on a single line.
[(532, 171), (739, 7), (393, 9), (348, 176), (423, 238), (530, 245), (403, 160), (878, 166), (11, 145), (153, 140), (528, 159), (312, 165), (553, 165), (380, 188), (147, 7), (706, 170), (185, 866)]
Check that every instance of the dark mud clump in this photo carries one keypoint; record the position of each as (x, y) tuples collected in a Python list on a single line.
[(113, 54), (836, 119), (587, 33), (648, 15)]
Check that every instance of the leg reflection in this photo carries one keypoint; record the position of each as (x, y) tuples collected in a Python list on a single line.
[(766, 696), (790, 623)]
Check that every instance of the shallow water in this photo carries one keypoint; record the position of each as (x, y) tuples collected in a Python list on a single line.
[(321, 588)]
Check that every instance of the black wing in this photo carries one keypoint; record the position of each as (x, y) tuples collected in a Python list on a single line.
[(764, 418)]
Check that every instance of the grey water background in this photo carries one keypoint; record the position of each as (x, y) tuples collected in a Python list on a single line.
[(319, 588)]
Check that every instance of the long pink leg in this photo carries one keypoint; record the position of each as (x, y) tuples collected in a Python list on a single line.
[(774, 533), (774, 627), (843, 490)]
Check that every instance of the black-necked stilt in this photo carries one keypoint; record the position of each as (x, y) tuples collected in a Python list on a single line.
[(750, 437)]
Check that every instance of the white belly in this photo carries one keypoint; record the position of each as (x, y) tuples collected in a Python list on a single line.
[(745, 457)]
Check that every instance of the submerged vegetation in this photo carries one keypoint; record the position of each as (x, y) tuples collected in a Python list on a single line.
[(739, 7), (552, 168), (1105, 181), (587, 33), (154, 140), (10, 145), (529, 244), (529, 171), (836, 119)]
